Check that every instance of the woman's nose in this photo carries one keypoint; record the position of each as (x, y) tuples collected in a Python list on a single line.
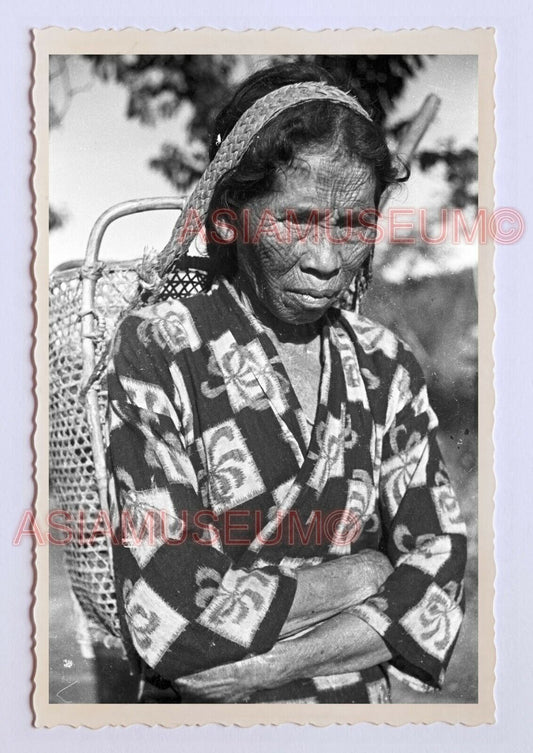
[(321, 257)]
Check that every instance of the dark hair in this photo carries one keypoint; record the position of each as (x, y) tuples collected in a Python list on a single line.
[(309, 124)]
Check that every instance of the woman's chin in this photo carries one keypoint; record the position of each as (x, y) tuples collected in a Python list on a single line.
[(307, 308), (302, 316), (295, 310)]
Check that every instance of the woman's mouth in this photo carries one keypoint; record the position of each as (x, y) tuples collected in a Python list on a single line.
[(314, 297)]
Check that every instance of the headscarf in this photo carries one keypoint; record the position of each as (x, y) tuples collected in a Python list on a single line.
[(228, 156), (162, 274)]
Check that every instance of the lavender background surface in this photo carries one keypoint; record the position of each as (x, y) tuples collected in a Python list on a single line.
[(514, 369)]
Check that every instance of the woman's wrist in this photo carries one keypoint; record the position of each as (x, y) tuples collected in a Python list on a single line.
[(269, 670)]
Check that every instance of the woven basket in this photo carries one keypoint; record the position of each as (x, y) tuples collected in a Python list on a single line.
[(86, 300)]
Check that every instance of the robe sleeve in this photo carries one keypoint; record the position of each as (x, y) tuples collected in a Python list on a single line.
[(419, 609), (183, 604)]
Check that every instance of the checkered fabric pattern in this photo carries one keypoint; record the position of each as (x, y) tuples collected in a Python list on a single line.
[(207, 434)]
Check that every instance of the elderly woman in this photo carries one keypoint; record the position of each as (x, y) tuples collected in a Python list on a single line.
[(307, 540)]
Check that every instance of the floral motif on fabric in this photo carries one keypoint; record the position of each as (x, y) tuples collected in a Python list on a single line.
[(153, 624), (248, 377), (434, 621), (233, 477), (170, 326), (240, 604)]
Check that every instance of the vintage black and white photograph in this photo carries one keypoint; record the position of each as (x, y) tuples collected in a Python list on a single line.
[(263, 312)]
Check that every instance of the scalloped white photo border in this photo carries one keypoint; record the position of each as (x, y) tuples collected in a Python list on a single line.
[(480, 42)]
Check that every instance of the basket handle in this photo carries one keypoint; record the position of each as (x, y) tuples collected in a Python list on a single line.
[(89, 274), (124, 209)]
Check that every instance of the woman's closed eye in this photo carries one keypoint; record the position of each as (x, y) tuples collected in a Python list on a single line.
[(299, 217), (325, 218)]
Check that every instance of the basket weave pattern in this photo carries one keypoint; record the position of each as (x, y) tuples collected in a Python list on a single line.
[(73, 486)]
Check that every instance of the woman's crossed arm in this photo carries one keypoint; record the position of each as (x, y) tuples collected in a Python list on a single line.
[(341, 642)]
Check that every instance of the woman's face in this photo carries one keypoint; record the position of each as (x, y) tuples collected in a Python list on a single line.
[(301, 244)]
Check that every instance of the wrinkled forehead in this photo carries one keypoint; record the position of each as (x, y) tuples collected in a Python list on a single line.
[(325, 179)]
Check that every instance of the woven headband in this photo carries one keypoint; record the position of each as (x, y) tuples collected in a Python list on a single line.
[(234, 146)]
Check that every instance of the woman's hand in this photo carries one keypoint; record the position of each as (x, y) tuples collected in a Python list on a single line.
[(339, 645), (229, 683)]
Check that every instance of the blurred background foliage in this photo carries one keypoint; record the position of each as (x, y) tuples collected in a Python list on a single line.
[(158, 86)]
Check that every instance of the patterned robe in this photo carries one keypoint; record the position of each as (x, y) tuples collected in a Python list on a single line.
[(220, 491)]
